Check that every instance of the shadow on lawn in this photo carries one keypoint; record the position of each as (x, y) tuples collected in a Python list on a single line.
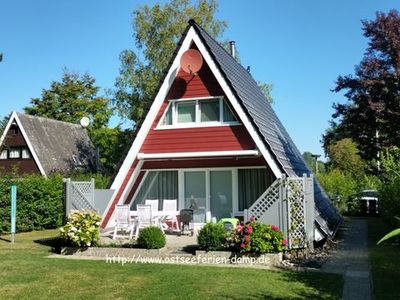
[(55, 243), (315, 287)]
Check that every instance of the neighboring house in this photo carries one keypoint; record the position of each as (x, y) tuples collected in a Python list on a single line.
[(210, 140), (36, 145)]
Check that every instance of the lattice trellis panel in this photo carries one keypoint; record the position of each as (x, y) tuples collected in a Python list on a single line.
[(82, 195), (266, 200), (296, 209)]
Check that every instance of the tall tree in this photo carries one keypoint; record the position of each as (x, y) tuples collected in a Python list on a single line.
[(156, 31), (77, 96), (72, 98), (370, 117), (344, 156)]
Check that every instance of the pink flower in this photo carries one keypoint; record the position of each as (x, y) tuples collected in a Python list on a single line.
[(252, 219), (275, 228), (239, 228), (247, 238), (284, 242), (242, 245), (248, 230)]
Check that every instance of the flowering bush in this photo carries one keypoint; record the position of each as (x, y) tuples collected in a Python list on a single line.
[(256, 238), (82, 228)]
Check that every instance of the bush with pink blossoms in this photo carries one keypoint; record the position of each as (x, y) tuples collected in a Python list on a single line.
[(256, 238)]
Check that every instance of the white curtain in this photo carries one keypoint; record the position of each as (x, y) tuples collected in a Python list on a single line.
[(157, 185)]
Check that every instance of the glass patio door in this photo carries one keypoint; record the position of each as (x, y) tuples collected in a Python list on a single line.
[(195, 194), (208, 191), (221, 194)]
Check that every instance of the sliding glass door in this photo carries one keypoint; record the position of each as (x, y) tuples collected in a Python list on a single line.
[(208, 191), (195, 194), (221, 194)]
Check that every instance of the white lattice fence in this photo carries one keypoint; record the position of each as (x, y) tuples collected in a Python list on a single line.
[(283, 204), (266, 200), (79, 195), (295, 194)]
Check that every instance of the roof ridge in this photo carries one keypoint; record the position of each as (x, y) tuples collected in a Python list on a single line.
[(48, 119), (219, 44)]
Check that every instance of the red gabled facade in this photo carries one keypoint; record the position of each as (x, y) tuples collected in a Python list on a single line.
[(215, 138), (20, 166)]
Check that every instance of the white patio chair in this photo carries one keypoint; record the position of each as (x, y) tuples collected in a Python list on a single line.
[(170, 206), (152, 203), (155, 213), (123, 220), (144, 218)]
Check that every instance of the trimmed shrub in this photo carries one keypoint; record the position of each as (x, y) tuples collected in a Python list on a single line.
[(151, 238), (212, 237), (39, 202), (82, 228)]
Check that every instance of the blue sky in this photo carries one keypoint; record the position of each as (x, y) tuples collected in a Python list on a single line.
[(298, 46)]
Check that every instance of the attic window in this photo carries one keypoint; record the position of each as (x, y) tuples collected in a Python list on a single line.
[(14, 129), (197, 113)]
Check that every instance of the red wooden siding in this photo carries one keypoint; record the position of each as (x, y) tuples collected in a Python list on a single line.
[(21, 166), (216, 138)]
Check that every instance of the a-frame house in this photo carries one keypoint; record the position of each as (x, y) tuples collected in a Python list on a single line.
[(211, 141), (43, 146)]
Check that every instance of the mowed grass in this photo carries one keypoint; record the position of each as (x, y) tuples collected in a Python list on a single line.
[(27, 272), (384, 260)]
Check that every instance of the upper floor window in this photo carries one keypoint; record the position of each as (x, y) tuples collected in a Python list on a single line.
[(198, 112)]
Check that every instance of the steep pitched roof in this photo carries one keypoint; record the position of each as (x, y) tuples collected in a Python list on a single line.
[(55, 145), (269, 126)]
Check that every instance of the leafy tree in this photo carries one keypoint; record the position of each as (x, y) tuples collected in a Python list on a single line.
[(156, 31), (75, 97), (373, 92), (1, 57), (344, 156), (111, 143), (3, 123), (266, 89), (71, 99)]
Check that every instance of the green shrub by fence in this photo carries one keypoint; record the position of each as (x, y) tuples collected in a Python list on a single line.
[(39, 202)]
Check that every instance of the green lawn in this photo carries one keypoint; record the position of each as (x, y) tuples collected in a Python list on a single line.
[(384, 260), (26, 272)]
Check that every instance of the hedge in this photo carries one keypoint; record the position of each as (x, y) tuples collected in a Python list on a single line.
[(39, 202)]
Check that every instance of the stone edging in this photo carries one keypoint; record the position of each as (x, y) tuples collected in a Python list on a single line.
[(165, 256)]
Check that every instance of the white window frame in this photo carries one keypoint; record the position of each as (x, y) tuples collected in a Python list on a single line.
[(175, 125)]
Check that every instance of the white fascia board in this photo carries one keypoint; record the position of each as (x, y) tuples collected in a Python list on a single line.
[(151, 115), (121, 200), (14, 117), (235, 103), (144, 156)]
